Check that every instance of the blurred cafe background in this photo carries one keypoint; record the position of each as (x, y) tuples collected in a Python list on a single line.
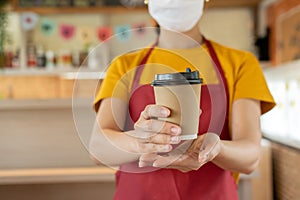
[(44, 43)]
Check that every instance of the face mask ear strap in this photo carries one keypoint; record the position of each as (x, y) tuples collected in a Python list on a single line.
[(206, 4)]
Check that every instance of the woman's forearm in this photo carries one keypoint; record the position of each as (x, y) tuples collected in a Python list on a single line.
[(112, 148), (241, 154), (238, 156), (109, 144)]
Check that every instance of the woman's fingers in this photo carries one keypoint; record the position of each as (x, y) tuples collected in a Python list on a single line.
[(147, 159), (153, 126), (155, 135), (161, 139), (148, 126), (153, 148), (157, 143), (156, 160), (164, 161), (155, 111)]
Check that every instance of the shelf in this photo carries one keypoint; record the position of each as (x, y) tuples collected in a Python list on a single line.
[(284, 140), (232, 3), (58, 175), (43, 104), (73, 10), (63, 72), (286, 71), (123, 9)]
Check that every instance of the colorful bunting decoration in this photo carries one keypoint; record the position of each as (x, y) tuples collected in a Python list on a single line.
[(85, 34), (104, 33), (67, 31), (139, 29), (47, 26), (123, 32), (29, 20)]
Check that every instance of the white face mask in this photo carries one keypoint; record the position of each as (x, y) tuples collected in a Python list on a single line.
[(177, 15)]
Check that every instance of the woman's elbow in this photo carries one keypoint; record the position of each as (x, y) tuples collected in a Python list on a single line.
[(103, 162), (251, 167), (95, 160)]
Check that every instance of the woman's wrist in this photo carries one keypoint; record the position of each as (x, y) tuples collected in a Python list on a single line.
[(219, 151), (211, 148), (131, 142)]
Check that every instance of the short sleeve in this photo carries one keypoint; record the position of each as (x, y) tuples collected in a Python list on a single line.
[(115, 84), (250, 83)]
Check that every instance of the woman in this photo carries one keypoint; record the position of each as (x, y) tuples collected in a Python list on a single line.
[(199, 173)]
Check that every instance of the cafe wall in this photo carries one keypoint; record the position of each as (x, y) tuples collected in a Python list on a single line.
[(14, 32), (231, 26)]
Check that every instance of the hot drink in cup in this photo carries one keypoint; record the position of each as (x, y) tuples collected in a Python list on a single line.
[(180, 92)]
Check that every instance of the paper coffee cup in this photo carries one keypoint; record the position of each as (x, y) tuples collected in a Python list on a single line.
[(180, 92)]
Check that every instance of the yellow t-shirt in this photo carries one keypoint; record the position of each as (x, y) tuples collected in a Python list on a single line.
[(242, 71)]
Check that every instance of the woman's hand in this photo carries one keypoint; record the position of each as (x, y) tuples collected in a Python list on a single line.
[(153, 135), (190, 155)]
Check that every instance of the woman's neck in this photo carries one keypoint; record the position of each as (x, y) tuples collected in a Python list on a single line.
[(175, 40)]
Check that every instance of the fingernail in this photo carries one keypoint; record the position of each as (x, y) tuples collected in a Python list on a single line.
[(142, 164), (167, 148), (175, 130), (157, 165), (203, 158), (164, 112), (175, 140)]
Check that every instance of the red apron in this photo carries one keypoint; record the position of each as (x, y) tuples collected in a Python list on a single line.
[(210, 182)]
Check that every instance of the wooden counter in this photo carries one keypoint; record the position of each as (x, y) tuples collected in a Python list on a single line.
[(39, 143), (48, 84), (42, 155), (56, 175)]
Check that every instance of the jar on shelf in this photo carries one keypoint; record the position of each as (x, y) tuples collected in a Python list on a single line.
[(16, 59), (41, 57), (8, 57), (65, 58), (50, 59), (31, 56), (76, 58)]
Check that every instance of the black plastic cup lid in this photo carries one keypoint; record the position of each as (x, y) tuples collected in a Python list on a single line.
[(181, 78)]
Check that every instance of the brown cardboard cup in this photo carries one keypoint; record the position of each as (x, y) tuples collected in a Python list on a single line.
[(180, 92)]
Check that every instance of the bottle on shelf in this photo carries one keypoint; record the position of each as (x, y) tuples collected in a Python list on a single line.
[(31, 56), (83, 58), (50, 59), (98, 57), (65, 58), (16, 59), (8, 57), (76, 58), (41, 57)]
